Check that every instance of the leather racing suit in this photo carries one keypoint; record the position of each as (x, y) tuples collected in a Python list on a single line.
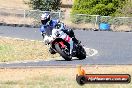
[(51, 31)]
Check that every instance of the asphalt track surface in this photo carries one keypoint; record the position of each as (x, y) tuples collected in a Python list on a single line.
[(114, 48)]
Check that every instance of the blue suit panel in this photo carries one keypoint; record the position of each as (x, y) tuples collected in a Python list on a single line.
[(48, 27)]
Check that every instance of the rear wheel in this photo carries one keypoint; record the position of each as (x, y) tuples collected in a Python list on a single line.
[(64, 53), (81, 53)]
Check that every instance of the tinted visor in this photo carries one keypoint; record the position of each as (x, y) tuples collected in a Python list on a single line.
[(44, 21)]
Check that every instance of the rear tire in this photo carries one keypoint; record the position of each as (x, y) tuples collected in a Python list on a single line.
[(63, 54), (82, 53)]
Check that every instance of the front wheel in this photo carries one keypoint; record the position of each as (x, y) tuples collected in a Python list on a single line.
[(62, 53)]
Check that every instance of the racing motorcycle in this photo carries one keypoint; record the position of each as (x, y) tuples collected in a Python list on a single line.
[(58, 45)]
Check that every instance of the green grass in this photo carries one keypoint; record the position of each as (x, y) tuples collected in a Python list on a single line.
[(4, 48), (19, 50), (5, 51)]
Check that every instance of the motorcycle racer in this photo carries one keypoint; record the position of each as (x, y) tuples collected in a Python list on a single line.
[(53, 28)]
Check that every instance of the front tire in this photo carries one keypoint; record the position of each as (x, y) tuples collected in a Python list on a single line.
[(63, 54)]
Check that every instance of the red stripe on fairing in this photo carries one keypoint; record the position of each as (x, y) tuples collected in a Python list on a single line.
[(67, 39), (62, 44)]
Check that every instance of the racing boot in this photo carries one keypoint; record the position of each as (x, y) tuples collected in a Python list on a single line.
[(76, 41)]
